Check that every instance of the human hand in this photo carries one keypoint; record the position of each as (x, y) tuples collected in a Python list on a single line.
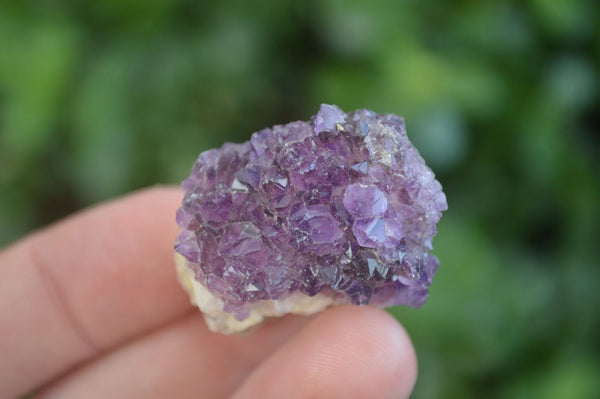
[(91, 308)]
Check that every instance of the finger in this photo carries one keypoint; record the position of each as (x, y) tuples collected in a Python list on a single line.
[(85, 285), (346, 352), (184, 360)]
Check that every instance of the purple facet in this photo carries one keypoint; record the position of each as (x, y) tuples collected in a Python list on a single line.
[(342, 205), (364, 201), (327, 118)]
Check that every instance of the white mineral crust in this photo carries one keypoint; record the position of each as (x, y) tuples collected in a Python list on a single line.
[(218, 320)]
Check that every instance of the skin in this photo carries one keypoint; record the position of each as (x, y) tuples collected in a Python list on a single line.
[(91, 307)]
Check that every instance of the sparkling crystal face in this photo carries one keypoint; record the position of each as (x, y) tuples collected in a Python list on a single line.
[(342, 205)]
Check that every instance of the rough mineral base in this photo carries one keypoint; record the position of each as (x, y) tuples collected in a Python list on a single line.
[(340, 209)]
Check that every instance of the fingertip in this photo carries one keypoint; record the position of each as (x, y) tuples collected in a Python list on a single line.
[(344, 352), (399, 355), (385, 356)]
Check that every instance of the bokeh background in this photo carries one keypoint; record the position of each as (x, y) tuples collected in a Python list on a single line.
[(501, 98)]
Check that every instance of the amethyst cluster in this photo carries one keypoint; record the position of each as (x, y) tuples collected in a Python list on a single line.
[(342, 206)]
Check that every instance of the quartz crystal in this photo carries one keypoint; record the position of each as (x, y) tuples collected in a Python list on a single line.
[(340, 209)]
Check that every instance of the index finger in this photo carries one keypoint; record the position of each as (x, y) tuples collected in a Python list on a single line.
[(82, 286)]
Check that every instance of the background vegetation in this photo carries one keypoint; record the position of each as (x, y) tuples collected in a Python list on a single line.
[(501, 97)]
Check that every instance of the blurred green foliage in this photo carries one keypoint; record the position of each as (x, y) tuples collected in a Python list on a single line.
[(501, 97)]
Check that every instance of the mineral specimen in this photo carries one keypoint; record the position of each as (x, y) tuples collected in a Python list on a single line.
[(341, 209)]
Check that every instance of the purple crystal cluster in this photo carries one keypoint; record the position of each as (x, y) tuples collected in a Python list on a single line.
[(342, 205)]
